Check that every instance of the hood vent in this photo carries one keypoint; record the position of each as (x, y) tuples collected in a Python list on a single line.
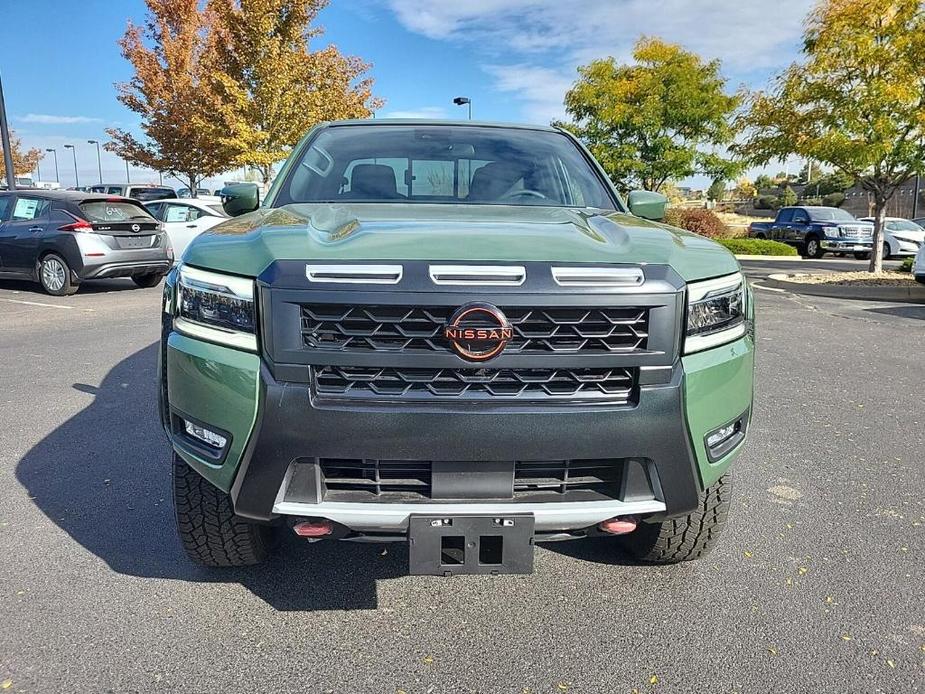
[(479, 275), (354, 274), (598, 276)]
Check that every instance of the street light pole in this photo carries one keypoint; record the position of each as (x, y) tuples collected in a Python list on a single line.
[(74, 152), (464, 101), (915, 196), (55, 152), (128, 179), (5, 142), (99, 162)]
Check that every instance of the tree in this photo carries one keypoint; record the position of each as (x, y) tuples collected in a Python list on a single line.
[(274, 83), (833, 182), (185, 133), (745, 189), (657, 120), (856, 103), (764, 182), (788, 197), (23, 162), (717, 190)]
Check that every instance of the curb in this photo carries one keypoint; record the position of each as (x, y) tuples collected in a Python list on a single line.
[(914, 294)]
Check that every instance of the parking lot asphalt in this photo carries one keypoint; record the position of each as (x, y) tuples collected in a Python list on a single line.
[(818, 584)]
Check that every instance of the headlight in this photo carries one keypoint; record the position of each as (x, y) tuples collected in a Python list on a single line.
[(715, 312), (215, 307)]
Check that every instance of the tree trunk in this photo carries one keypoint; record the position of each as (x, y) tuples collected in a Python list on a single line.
[(876, 256)]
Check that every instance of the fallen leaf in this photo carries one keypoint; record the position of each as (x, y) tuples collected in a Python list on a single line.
[(6, 684), (563, 686), (891, 663), (802, 570), (772, 650), (829, 600), (748, 554), (846, 637), (428, 659), (789, 581), (653, 679)]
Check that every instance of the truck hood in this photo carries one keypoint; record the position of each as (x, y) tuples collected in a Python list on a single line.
[(246, 245)]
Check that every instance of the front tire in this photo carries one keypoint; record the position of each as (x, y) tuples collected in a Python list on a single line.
[(886, 251), (862, 256), (212, 535), (812, 248), (55, 276), (147, 281), (688, 537)]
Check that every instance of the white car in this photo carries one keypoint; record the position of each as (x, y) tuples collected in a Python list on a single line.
[(185, 218), (900, 236), (918, 266)]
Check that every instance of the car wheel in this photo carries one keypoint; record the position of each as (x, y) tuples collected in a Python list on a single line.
[(886, 251), (212, 535), (688, 537), (146, 281), (55, 276), (761, 237), (812, 249), (862, 256), (920, 279)]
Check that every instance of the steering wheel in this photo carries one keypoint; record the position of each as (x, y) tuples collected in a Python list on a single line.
[(523, 191)]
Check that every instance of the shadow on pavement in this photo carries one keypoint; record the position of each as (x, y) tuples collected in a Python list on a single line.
[(907, 311), (103, 477), (87, 287)]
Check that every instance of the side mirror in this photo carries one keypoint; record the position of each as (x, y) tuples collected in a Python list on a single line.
[(240, 198), (648, 205)]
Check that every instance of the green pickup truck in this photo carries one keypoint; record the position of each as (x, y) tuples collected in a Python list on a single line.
[(459, 336)]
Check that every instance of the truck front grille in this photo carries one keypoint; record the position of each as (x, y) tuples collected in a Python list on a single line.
[(615, 385), (346, 328), (358, 479)]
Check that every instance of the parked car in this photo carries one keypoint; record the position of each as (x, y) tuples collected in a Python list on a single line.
[(918, 266), (185, 192), (456, 335), (137, 191), (920, 221), (185, 218), (900, 236), (815, 231), (61, 238)]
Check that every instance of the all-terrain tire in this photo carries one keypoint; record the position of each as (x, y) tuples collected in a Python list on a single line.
[(211, 533), (685, 538)]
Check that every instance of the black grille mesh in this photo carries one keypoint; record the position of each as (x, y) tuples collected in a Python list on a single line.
[(614, 384), (348, 328)]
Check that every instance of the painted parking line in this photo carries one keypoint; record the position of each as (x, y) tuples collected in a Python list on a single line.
[(755, 285), (39, 303)]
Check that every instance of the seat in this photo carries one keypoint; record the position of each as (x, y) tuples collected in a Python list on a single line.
[(373, 182), (493, 180)]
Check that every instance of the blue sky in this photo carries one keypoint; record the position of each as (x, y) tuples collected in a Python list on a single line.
[(514, 58)]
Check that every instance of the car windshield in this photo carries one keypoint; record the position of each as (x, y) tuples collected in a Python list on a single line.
[(825, 214), (475, 165), (145, 194), (904, 225)]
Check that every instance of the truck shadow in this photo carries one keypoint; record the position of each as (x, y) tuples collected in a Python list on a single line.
[(103, 477)]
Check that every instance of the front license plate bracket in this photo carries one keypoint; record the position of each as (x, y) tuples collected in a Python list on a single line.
[(456, 545)]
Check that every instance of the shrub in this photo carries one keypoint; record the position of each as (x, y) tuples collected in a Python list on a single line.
[(833, 199), (814, 202), (757, 247), (697, 220), (788, 197), (906, 264), (767, 202)]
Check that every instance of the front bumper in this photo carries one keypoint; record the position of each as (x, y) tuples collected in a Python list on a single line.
[(847, 245)]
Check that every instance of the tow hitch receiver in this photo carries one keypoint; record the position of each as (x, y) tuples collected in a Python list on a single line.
[(455, 545)]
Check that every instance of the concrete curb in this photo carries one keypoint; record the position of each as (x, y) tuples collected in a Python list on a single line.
[(914, 294)]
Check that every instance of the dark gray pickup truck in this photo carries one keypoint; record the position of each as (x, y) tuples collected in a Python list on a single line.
[(816, 231)]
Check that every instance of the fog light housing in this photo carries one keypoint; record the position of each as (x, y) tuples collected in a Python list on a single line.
[(206, 436), (722, 440)]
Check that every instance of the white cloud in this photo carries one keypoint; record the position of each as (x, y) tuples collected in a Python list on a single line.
[(545, 40), (47, 119), (423, 112)]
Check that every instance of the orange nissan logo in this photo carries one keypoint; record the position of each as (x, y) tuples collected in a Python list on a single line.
[(478, 331)]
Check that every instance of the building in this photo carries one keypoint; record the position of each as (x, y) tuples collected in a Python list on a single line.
[(860, 203)]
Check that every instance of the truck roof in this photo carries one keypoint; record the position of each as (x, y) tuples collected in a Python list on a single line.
[(438, 122)]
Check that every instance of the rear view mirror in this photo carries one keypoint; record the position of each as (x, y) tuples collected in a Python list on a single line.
[(240, 198), (648, 205)]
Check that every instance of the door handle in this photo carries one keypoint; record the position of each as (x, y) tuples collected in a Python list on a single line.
[(190, 226), (35, 230)]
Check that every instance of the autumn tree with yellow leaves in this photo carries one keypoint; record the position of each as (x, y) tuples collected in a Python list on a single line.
[(173, 92), (23, 161), (857, 102), (271, 80)]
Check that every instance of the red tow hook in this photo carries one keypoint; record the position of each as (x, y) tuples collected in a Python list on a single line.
[(318, 527), (621, 525)]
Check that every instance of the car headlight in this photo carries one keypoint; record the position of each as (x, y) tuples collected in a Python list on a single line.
[(216, 307), (715, 312)]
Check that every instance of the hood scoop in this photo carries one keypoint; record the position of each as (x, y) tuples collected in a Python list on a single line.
[(354, 274), (479, 275), (598, 276)]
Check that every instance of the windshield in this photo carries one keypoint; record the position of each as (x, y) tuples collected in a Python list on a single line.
[(824, 214), (146, 194), (113, 211), (474, 165), (904, 225)]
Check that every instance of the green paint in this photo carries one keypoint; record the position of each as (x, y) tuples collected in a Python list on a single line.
[(717, 389), (219, 386), (246, 245)]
